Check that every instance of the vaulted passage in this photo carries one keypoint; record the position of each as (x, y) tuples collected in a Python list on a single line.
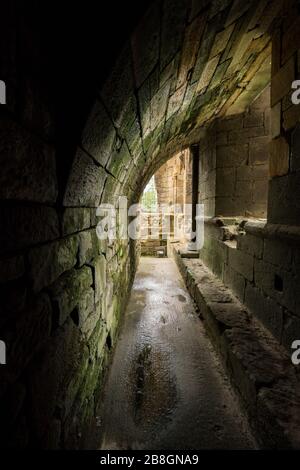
[(198, 102)]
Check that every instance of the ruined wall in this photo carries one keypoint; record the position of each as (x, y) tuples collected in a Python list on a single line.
[(173, 180)]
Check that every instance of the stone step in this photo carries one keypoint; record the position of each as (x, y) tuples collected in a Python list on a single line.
[(259, 368)]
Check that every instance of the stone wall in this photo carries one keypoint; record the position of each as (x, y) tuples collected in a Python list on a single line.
[(173, 181), (284, 192), (233, 176), (260, 263)]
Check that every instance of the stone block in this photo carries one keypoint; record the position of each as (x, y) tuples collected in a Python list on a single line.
[(208, 73), (175, 101), (51, 374), (28, 166), (86, 182), (234, 281), (159, 104), (173, 24), (26, 335), (99, 134), (279, 157), (241, 262), (290, 117), (260, 193), (11, 268), (284, 200), (67, 292), (22, 226), (221, 40), (231, 123), (278, 253), (276, 51), (145, 44), (258, 150), (232, 155), (48, 262), (193, 34), (276, 120), (282, 81), (254, 119), (291, 330), (251, 244), (241, 136), (265, 309), (75, 220), (100, 281), (225, 182), (88, 246), (290, 41), (118, 92)]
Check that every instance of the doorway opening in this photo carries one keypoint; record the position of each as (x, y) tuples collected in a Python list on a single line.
[(164, 205)]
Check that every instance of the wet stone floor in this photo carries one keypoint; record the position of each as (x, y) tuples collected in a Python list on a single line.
[(166, 388)]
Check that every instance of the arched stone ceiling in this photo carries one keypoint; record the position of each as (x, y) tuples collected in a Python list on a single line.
[(187, 63)]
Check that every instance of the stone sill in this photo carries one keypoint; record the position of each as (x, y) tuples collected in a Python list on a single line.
[(265, 230)]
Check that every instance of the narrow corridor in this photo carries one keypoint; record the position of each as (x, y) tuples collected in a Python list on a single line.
[(166, 388)]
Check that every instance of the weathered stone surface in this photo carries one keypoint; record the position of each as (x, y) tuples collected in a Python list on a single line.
[(207, 73), (88, 246), (47, 263), (284, 200), (159, 105), (278, 412), (75, 220), (172, 28), (13, 296), (28, 167), (99, 134), (50, 375), (25, 336), (232, 155), (25, 226), (276, 120), (251, 245), (281, 82), (258, 150), (235, 281), (241, 262), (291, 330), (145, 44), (192, 37), (68, 290), (279, 157), (89, 313), (265, 309), (86, 182), (11, 268), (117, 92)]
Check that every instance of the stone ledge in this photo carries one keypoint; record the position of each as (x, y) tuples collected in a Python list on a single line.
[(268, 230), (259, 368)]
